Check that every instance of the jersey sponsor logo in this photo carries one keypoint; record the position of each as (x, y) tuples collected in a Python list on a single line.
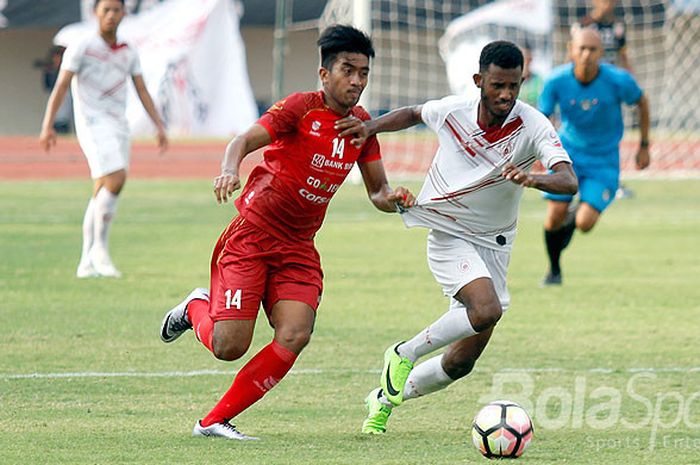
[(313, 198), (320, 161), (324, 185)]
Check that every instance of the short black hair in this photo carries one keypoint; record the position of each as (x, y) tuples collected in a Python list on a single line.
[(501, 53), (97, 2), (342, 38)]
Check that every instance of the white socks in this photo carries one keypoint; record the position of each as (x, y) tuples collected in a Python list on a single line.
[(105, 206), (450, 327), (429, 376), (88, 232), (94, 259), (426, 378)]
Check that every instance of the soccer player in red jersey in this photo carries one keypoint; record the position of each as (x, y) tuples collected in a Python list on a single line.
[(267, 254)]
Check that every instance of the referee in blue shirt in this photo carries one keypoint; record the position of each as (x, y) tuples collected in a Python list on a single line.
[(589, 95)]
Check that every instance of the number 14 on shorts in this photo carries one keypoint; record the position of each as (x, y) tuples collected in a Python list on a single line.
[(233, 299)]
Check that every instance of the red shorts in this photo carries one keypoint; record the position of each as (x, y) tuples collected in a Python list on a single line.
[(249, 267)]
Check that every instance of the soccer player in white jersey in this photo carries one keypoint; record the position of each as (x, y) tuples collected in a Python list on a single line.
[(98, 67), (469, 201)]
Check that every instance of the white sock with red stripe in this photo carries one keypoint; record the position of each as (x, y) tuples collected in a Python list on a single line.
[(452, 326), (425, 378)]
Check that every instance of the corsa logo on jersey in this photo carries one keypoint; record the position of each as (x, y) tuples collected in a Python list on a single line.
[(311, 197)]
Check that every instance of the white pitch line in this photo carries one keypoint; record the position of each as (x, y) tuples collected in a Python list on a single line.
[(169, 374), (323, 371)]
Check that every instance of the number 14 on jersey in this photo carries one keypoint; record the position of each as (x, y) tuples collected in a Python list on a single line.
[(338, 147), (233, 299)]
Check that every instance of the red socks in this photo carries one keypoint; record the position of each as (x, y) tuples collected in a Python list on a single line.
[(202, 324), (257, 377)]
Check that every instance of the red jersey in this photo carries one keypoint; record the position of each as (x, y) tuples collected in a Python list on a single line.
[(287, 194)]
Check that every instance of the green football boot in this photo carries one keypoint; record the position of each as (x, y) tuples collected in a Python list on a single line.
[(377, 416), (394, 374)]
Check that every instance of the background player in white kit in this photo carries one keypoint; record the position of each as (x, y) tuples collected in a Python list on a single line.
[(98, 67), (470, 201)]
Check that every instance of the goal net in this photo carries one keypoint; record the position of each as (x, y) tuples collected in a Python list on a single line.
[(427, 49)]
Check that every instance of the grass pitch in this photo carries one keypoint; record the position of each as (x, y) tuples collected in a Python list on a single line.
[(607, 364)]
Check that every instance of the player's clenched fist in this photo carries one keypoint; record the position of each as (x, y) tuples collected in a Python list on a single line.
[(402, 198), (225, 185), (353, 126), (514, 174)]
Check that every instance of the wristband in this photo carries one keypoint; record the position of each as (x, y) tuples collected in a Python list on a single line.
[(644, 144)]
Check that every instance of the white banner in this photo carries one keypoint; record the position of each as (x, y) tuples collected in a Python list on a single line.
[(514, 20), (194, 65), (87, 6), (3, 20)]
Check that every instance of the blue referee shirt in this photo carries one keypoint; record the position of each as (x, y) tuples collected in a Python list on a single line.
[(591, 114)]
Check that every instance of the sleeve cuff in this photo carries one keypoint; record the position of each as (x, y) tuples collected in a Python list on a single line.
[(558, 159), (268, 127)]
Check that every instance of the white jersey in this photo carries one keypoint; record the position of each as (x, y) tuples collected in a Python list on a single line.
[(99, 86), (464, 193)]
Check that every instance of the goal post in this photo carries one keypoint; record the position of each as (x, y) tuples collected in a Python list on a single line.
[(417, 56)]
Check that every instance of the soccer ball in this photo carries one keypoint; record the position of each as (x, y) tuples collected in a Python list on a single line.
[(502, 429)]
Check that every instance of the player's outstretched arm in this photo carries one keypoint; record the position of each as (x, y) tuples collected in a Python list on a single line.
[(561, 180), (150, 108), (382, 196), (643, 158), (47, 138), (229, 181), (395, 120)]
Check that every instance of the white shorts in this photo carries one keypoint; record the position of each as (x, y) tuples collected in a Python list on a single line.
[(455, 262), (106, 150)]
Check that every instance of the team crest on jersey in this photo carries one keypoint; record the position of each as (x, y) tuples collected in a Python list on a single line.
[(555, 139), (316, 125), (588, 104), (508, 148), (464, 266)]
